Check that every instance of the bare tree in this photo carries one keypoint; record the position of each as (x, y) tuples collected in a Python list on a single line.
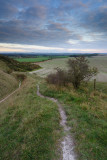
[(79, 71)]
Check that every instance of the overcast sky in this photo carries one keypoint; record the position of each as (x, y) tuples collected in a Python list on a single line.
[(53, 26)]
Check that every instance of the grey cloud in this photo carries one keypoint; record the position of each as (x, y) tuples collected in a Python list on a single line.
[(35, 12), (15, 32), (96, 20), (58, 27), (34, 22), (73, 4), (7, 10), (68, 8)]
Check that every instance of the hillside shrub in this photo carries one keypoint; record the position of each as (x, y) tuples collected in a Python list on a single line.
[(21, 76), (78, 72), (59, 78), (18, 66)]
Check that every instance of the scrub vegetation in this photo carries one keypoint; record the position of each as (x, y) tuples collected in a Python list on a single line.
[(13, 65), (79, 71)]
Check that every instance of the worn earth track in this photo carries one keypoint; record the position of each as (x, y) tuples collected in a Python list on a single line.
[(67, 142), (10, 94)]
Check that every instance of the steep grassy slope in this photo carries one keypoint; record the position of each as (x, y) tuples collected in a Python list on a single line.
[(29, 126), (8, 83), (87, 116), (8, 80), (4, 67)]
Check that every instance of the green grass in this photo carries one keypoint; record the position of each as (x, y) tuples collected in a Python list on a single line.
[(87, 117), (29, 126), (38, 59)]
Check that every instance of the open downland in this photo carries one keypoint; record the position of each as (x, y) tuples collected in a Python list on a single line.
[(86, 115), (49, 66), (29, 126)]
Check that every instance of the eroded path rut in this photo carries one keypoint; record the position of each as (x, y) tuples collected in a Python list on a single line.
[(10, 94), (67, 142)]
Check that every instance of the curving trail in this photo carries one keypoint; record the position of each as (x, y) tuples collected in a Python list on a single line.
[(67, 142), (10, 94)]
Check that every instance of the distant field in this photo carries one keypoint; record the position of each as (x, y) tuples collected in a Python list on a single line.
[(99, 61), (39, 58)]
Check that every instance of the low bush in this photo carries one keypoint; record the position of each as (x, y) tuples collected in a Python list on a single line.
[(59, 78), (21, 76)]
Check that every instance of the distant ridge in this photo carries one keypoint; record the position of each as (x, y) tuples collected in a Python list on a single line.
[(51, 54)]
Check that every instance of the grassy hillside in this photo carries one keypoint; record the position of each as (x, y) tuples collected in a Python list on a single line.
[(29, 126), (87, 116), (8, 83)]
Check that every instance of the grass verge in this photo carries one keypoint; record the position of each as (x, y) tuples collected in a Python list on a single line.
[(87, 114), (29, 126)]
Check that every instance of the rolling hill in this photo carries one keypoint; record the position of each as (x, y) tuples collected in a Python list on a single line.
[(9, 78)]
